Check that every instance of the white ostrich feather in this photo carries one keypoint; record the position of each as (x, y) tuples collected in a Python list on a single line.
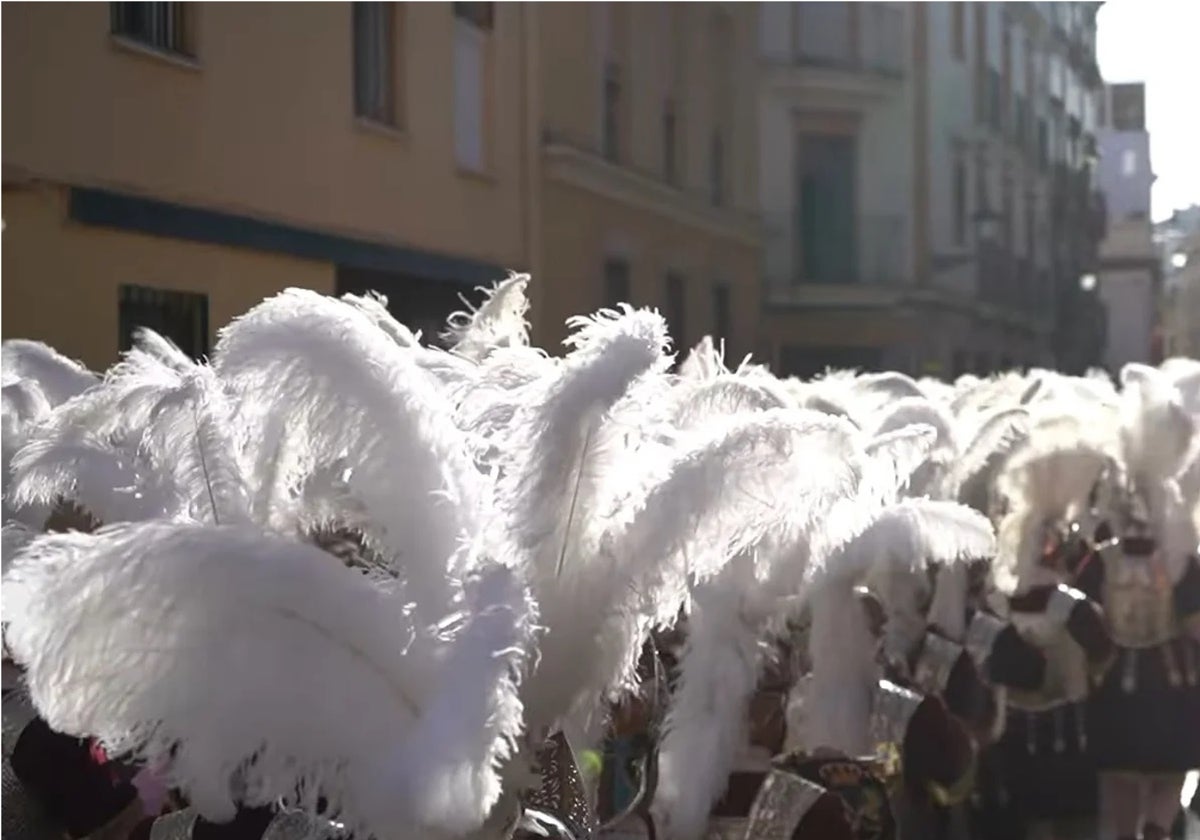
[(24, 407), (59, 378), (564, 450), (1048, 479), (976, 395), (936, 390), (162, 349), (894, 456), (374, 306), (837, 703), (704, 362), (558, 454), (971, 477), (736, 606), (190, 439), (948, 608), (1156, 432), (706, 725), (724, 394), (151, 440), (874, 391), (499, 322), (717, 499), (909, 411), (899, 542), (350, 395), (1185, 374), (224, 656)]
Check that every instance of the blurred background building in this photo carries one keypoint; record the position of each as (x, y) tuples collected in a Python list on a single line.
[(900, 185), (1178, 240), (928, 184), (1129, 269)]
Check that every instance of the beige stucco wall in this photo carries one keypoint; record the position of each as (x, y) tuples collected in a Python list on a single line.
[(572, 44), (264, 123), (582, 229), (662, 48), (60, 279)]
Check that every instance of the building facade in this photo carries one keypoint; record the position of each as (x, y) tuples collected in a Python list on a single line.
[(1130, 271), (646, 190), (170, 164), (1178, 240), (936, 207), (160, 168)]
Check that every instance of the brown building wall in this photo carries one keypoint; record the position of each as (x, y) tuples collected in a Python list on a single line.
[(61, 278)]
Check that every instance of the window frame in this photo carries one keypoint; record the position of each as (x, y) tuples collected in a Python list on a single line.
[(386, 111), (958, 31), (168, 304), (617, 282), (176, 41), (675, 307), (722, 312)]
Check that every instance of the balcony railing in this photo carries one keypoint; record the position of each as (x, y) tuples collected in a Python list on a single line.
[(873, 252), (850, 36)]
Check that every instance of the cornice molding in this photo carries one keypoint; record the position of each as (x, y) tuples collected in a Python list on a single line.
[(585, 170)]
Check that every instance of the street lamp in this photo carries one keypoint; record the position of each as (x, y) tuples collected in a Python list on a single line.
[(1087, 282), (1179, 259)]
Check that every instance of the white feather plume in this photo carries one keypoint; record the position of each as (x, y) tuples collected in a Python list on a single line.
[(224, 656), (374, 306), (350, 395), (59, 378), (499, 322)]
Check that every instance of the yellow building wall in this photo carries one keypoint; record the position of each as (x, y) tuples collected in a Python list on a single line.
[(582, 229), (61, 279), (661, 48), (262, 123)]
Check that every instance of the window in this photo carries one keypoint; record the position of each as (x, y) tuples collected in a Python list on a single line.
[(158, 25), (995, 99), (960, 364), (473, 23), (480, 15), (612, 111), (1020, 127), (716, 169), (676, 310), (958, 33), (375, 62), (669, 141), (179, 316), (616, 282), (1128, 163), (722, 316), (960, 203), (826, 217)]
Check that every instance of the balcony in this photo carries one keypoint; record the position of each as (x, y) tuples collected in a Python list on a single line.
[(867, 266), (582, 163), (847, 49)]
